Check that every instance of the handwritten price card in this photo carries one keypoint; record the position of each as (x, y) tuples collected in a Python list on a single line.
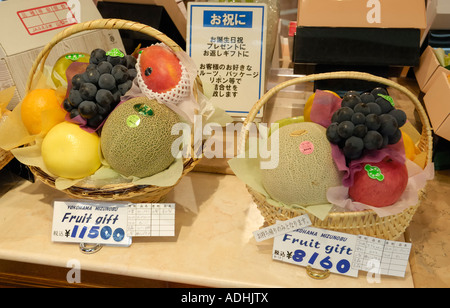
[(321, 249), (342, 253), (381, 256), (110, 223), (151, 219), (90, 222)]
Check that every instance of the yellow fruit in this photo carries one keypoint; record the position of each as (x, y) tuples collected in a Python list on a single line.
[(5, 113), (136, 137), (61, 65), (309, 103), (70, 152), (410, 148), (305, 168), (41, 110)]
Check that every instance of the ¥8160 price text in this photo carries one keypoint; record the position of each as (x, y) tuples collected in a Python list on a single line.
[(342, 266)]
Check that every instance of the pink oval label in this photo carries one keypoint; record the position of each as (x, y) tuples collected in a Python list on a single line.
[(306, 147)]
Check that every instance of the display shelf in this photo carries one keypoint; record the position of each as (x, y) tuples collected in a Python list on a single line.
[(213, 246)]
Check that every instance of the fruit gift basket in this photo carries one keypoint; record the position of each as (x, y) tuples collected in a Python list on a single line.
[(340, 181), (5, 97), (111, 135)]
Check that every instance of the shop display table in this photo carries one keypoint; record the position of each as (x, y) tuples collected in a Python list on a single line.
[(213, 244)]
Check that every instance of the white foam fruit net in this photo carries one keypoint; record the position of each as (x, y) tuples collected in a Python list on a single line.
[(174, 96)]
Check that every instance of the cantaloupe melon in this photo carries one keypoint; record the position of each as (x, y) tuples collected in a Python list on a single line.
[(305, 169), (136, 138)]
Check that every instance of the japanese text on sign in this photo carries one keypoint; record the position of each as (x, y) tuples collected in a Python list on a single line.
[(282, 227), (228, 42), (235, 19)]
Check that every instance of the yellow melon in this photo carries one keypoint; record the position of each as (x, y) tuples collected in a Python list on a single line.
[(136, 138), (305, 168)]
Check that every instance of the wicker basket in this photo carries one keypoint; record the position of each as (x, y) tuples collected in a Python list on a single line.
[(5, 158), (364, 222), (126, 191)]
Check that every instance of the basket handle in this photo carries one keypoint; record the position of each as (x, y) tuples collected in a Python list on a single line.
[(426, 140), (118, 24)]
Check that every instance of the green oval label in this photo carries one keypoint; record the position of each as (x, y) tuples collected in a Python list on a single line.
[(143, 109), (115, 52), (133, 121), (374, 172), (74, 56), (388, 98)]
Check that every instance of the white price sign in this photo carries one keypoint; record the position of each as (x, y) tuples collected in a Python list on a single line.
[(342, 253), (321, 249), (90, 223), (109, 223)]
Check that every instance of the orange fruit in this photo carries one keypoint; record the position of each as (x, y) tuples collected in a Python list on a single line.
[(410, 148), (41, 110)]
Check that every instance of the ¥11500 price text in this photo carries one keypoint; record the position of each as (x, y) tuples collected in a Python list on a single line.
[(105, 232)]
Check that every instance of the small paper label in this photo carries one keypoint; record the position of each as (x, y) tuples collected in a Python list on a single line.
[(282, 227), (388, 98), (381, 256), (46, 18), (151, 219), (306, 147), (74, 56), (133, 121), (115, 52), (143, 109), (374, 172)]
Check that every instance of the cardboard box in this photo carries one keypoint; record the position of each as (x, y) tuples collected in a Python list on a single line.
[(440, 14), (358, 33), (357, 46), (426, 69), (175, 8), (362, 13), (437, 102), (27, 26)]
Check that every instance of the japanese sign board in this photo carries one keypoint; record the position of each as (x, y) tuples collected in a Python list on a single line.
[(228, 44)]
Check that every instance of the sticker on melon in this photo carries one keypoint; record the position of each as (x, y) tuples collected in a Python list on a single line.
[(309, 103), (304, 172), (136, 137)]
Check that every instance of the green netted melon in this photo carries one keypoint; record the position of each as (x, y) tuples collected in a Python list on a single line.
[(305, 168), (136, 138)]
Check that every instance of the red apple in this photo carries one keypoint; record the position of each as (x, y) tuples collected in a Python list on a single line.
[(379, 187), (160, 68)]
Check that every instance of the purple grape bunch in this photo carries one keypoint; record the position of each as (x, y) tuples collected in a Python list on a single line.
[(97, 91), (365, 121)]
